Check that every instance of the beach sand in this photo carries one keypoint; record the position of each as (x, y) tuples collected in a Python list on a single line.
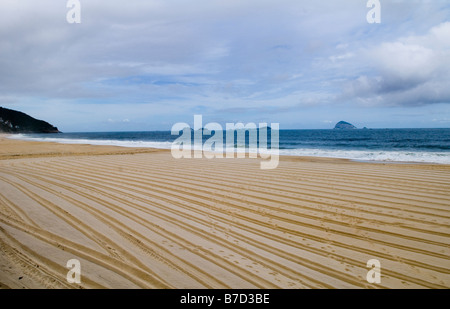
[(138, 218)]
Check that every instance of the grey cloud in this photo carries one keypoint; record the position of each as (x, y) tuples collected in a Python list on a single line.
[(265, 56)]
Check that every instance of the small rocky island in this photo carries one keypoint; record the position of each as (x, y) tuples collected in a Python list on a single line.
[(343, 125), (12, 121)]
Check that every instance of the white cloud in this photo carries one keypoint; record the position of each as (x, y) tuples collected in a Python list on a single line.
[(406, 61), (414, 70), (177, 57), (341, 57)]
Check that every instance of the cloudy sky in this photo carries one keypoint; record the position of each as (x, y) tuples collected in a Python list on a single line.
[(147, 64)]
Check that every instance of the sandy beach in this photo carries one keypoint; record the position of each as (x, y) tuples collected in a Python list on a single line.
[(138, 218)]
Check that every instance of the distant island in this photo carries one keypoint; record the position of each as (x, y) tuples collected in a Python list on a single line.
[(12, 121), (343, 125)]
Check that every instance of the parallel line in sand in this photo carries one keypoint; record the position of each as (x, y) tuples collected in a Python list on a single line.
[(157, 184), (400, 183), (391, 173), (321, 202), (140, 278), (385, 177), (364, 201), (86, 230), (319, 284), (239, 186), (74, 222), (29, 266), (337, 170), (183, 224), (62, 214), (36, 266), (410, 219), (276, 251), (8, 206), (355, 185), (413, 249), (132, 189), (101, 218), (111, 219), (278, 193), (417, 239), (128, 189), (383, 173)]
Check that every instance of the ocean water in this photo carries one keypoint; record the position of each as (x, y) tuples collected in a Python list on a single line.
[(386, 145)]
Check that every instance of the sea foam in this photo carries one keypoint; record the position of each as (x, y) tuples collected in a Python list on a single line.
[(358, 155)]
